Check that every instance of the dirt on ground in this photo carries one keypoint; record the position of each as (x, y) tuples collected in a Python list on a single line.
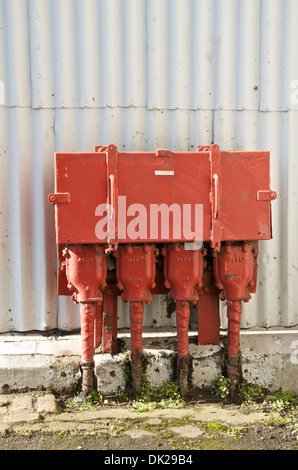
[(151, 435), (256, 438)]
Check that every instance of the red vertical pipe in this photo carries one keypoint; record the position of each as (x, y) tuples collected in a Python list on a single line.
[(87, 311), (233, 349), (234, 320), (136, 313), (208, 319), (182, 320)]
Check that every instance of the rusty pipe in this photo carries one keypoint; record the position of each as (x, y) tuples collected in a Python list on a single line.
[(87, 312), (136, 313), (182, 315), (233, 348), (182, 321), (234, 320)]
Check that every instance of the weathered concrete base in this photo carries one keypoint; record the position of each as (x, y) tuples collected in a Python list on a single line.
[(109, 373), (269, 359), (206, 363), (34, 372)]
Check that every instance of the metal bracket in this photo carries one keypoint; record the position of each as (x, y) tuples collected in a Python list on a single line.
[(100, 148), (266, 195), (162, 153), (59, 198), (112, 190), (215, 174)]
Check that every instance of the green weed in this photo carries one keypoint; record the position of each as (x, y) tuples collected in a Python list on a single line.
[(220, 386)]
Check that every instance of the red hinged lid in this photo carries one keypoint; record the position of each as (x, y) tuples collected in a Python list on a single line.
[(158, 196)]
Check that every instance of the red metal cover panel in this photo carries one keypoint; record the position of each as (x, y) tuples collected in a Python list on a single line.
[(174, 184), (244, 216), (146, 180), (83, 176)]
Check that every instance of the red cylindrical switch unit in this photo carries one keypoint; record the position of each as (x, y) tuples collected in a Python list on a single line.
[(235, 269), (135, 267), (183, 270), (86, 272)]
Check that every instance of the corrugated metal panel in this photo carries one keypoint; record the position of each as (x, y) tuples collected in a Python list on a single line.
[(276, 300), (141, 74), (28, 299), (87, 54), (14, 58), (278, 55), (198, 52)]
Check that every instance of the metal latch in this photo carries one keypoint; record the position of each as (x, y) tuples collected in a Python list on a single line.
[(162, 153), (266, 195), (59, 198)]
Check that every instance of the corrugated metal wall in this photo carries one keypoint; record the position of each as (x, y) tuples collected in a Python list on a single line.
[(141, 74)]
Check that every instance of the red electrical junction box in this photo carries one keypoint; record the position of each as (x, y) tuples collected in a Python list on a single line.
[(186, 223)]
